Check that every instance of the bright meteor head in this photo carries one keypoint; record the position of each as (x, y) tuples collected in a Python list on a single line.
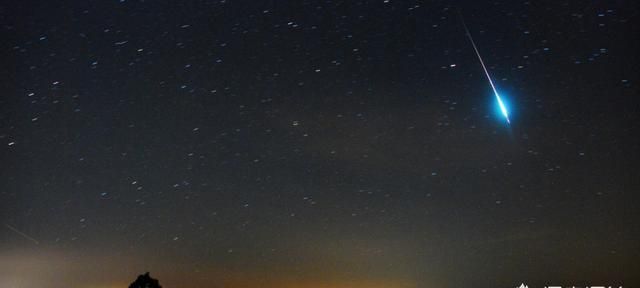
[(503, 108)]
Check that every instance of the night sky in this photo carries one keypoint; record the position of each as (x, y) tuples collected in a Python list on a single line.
[(342, 144)]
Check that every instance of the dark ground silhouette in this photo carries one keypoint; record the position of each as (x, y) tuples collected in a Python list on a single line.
[(145, 281)]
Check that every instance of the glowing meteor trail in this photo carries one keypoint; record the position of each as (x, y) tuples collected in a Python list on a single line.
[(22, 234), (503, 108)]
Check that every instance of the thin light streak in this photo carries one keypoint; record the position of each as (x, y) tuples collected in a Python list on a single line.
[(503, 108), (22, 234)]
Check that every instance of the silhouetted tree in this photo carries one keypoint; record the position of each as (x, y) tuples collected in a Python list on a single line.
[(145, 281)]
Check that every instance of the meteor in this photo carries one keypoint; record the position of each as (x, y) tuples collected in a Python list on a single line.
[(22, 234), (503, 108)]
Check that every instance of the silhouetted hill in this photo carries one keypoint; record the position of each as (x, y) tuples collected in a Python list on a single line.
[(145, 281)]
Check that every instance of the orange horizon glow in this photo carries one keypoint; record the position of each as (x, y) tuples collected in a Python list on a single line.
[(274, 283), (48, 268)]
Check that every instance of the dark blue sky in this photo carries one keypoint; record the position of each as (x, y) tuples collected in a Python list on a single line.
[(310, 143)]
